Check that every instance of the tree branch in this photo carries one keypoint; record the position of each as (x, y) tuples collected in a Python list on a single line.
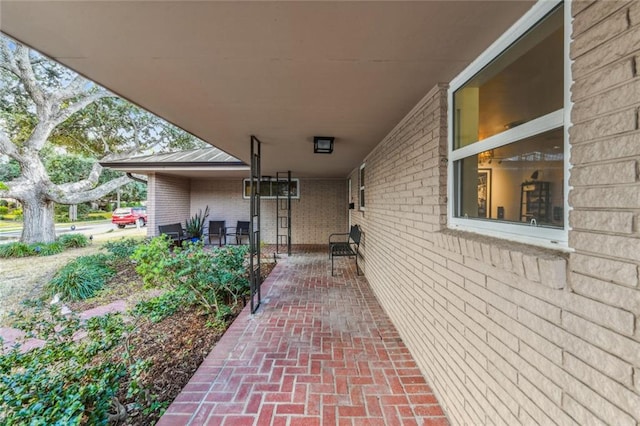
[(79, 105), (27, 76), (85, 184), (59, 196), (8, 148), (8, 61), (73, 89)]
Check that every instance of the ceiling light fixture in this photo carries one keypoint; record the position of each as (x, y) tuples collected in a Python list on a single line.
[(323, 144)]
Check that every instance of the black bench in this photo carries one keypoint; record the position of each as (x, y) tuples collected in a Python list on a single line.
[(175, 232), (345, 244)]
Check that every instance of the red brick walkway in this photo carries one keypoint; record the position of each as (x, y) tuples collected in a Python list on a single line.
[(320, 351)]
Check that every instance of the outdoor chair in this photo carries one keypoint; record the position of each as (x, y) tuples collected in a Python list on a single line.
[(239, 231), (339, 246), (218, 229), (175, 232)]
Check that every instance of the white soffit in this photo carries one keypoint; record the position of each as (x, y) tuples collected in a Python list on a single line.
[(284, 71)]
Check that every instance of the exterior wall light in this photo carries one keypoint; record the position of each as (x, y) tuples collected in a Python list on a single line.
[(323, 144)]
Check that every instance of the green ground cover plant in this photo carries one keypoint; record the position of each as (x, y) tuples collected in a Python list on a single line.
[(67, 381), (19, 249)]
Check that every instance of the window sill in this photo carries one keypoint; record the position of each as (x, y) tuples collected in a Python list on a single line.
[(545, 266)]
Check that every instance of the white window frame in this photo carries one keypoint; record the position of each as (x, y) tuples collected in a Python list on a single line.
[(271, 197), (538, 235), (361, 185)]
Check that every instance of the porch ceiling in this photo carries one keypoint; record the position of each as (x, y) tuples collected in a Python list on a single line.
[(284, 71)]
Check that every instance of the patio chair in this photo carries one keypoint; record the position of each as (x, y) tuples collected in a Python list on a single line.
[(239, 231), (175, 232), (218, 229)]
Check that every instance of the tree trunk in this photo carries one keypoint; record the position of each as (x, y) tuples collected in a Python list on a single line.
[(38, 215)]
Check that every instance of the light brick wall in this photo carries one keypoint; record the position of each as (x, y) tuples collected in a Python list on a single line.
[(168, 201), (509, 333), (321, 209)]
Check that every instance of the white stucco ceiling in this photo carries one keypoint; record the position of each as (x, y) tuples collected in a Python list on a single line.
[(284, 71)]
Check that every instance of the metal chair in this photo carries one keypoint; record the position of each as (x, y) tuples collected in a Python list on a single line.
[(218, 229), (241, 230)]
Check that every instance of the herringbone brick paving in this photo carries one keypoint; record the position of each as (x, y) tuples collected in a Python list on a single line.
[(320, 351)]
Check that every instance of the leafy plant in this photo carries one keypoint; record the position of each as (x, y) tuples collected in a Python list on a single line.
[(195, 224), (215, 281), (17, 249), (81, 278), (230, 270), (152, 260), (161, 307), (47, 249), (122, 248), (68, 381), (73, 240)]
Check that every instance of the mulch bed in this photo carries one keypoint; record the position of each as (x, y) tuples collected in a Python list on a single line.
[(176, 347)]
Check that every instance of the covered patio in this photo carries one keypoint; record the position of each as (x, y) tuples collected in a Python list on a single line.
[(511, 275), (320, 351)]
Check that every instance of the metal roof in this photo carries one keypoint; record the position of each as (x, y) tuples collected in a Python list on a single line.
[(190, 158), (203, 162)]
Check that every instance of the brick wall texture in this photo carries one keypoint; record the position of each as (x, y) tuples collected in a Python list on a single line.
[(168, 201), (508, 333), (320, 210)]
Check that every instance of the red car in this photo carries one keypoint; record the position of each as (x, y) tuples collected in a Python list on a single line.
[(129, 216)]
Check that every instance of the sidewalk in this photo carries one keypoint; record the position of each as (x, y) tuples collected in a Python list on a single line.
[(320, 351)]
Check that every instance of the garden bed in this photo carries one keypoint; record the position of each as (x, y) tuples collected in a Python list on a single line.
[(157, 349)]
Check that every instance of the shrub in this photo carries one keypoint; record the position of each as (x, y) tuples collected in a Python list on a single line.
[(66, 381), (122, 248), (16, 249), (4, 210), (230, 270), (47, 249), (153, 261), (81, 278), (4, 203), (215, 281), (73, 240)]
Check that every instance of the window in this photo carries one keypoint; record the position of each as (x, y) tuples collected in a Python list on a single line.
[(361, 193), (508, 134), (270, 188)]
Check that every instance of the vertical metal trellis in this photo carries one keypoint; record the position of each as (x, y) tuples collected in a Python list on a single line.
[(283, 213), (254, 229)]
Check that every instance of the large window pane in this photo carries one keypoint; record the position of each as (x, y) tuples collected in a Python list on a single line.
[(523, 83), (519, 182)]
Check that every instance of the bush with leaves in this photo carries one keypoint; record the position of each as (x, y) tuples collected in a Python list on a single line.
[(152, 261), (73, 240), (47, 249), (68, 381), (81, 278), (213, 280), (122, 248), (230, 270), (16, 249)]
